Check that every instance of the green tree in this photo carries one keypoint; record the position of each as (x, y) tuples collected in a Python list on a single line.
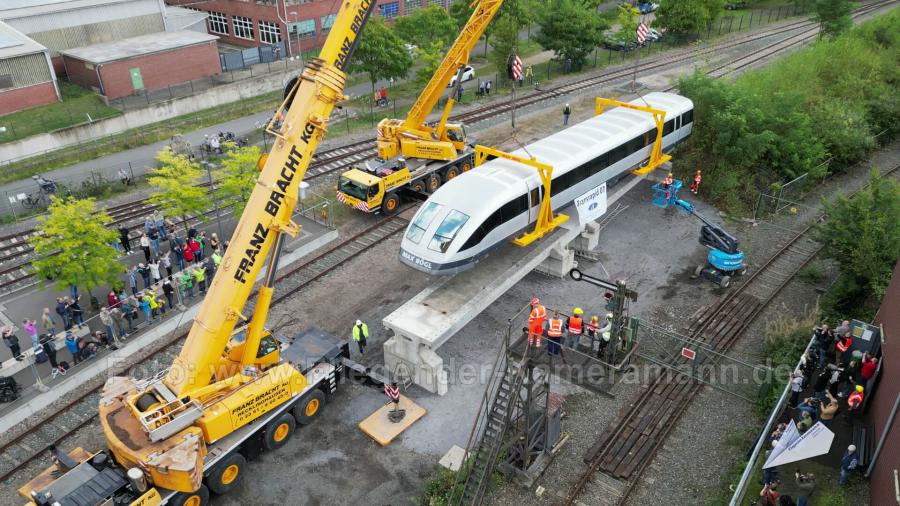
[(504, 42), (428, 25), (687, 17), (380, 53), (74, 245), (175, 188), (833, 16), (236, 176), (627, 17), (430, 56), (460, 12), (571, 30), (863, 235)]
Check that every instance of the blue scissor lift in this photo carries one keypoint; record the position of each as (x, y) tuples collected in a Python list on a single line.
[(666, 195)]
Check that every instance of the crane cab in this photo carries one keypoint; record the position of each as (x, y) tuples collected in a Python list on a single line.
[(267, 355)]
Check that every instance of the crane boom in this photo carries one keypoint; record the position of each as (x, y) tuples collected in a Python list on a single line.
[(271, 204), (457, 56)]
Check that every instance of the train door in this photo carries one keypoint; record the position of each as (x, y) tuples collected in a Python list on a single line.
[(535, 196)]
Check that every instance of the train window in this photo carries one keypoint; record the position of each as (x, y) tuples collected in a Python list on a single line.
[(447, 231), (635, 144), (687, 117), (669, 127), (536, 196), (486, 228), (422, 221), (677, 122)]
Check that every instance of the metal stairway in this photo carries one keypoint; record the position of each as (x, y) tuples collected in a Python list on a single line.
[(492, 424)]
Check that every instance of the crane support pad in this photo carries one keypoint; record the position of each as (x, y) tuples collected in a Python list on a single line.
[(382, 430)]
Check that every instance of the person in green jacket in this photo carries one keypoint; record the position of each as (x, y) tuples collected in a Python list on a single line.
[(360, 334), (187, 285), (200, 277)]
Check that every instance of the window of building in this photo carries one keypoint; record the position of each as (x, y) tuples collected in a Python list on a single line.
[(243, 27), (304, 29), (269, 32), (411, 5), (328, 22), (389, 10), (217, 22)]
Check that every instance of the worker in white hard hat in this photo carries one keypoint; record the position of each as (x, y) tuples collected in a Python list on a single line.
[(360, 334), (605, 335)]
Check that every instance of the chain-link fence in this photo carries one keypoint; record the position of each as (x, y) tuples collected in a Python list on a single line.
[(666, 352)]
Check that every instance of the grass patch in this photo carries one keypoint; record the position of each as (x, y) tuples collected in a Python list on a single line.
[(142, 136), (813, 273), (76, 105)]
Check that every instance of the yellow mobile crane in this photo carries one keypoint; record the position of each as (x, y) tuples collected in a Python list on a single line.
[(411, 154), (229, 394)]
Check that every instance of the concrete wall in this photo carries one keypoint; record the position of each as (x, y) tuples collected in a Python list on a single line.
[(161, 111), (30, 96), (157, 70)]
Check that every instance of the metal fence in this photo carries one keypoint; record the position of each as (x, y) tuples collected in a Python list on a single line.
[(670, 353)]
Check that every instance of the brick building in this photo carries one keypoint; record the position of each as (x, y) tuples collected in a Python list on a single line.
[(883, 405), (148, 62), (26, 76), (252, 23)]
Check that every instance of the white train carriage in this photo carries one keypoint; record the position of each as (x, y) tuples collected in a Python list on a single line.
[(473, 213)]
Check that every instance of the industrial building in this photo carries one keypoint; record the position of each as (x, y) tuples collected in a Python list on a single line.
[(26, 76), (147, 62), (300, 23)]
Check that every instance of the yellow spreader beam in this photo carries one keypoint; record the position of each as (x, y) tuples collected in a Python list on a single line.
[(546, 221), (657, 157)]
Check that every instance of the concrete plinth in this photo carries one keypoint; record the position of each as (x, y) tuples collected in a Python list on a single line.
[(559, 262), (588, 239)]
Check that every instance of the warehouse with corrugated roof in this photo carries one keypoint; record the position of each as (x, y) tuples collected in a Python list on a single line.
[(27, 78)]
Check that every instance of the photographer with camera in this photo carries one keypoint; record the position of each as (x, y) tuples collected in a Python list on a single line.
[(806, 483)]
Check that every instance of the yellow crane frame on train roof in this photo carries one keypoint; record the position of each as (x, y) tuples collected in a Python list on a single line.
[(546, 221), (657, 157)]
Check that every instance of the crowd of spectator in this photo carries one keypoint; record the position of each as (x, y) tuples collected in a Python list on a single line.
[(835, 379)]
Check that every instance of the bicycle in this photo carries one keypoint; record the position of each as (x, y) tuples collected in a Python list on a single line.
[(39, 198)]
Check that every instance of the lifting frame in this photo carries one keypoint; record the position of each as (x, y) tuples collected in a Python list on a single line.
[(546, 222), (657, 157)]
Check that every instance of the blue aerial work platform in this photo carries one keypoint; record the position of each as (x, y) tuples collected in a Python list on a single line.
[(665, 195)]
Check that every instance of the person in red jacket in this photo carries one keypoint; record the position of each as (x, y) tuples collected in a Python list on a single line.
[(188, 253), (869, 366)]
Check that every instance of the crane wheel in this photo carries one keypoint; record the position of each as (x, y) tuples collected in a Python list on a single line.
[(451, 173), (309, 407), (198, 498), (419, 186), (725, 281), (279, 431), (434, 182), (391, 204), (466, 166), (226, 474), (146, 402)]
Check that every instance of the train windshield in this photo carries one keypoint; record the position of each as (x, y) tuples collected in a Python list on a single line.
[(448, 230), (422, 221), (353, 188)]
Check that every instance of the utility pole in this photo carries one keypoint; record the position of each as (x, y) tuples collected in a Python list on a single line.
[(618, 295), (212, 185)]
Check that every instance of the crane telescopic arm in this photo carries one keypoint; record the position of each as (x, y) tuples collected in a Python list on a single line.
[(711, 235), (268, 212)]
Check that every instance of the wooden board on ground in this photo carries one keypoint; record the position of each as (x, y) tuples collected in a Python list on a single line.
[(382, 430)]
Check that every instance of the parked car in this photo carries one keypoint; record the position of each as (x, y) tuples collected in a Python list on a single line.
[(411, 49), (467, 75), (647, 7), (619, 45), (653, 34)]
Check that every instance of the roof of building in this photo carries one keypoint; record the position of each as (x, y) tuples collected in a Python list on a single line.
[(19, 8), (14, 43), (138, 46)]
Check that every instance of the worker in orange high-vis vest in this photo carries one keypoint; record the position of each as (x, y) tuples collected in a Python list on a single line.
[(855, 400), (843, 344), (574, 329), (554, 334), (695, 186), (667, 184), (536, 323)]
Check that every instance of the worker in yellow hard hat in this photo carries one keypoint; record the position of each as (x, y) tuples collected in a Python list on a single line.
[(574, 328)]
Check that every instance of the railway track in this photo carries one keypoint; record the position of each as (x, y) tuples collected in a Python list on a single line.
[(30, 446), (620, 455), (16, 253)]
